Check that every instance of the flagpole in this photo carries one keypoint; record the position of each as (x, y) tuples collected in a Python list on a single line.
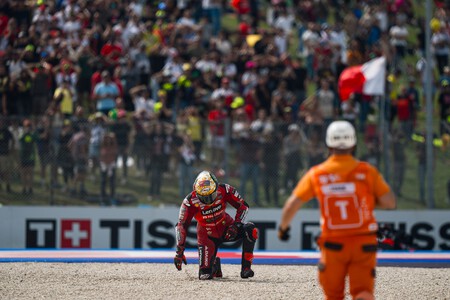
[(429, 109), (384, 124), (382, 120)]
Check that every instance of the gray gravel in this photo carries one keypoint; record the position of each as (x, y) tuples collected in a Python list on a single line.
[(163, 281)]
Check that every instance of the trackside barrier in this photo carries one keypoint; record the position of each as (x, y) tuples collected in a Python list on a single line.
[(153, 228)]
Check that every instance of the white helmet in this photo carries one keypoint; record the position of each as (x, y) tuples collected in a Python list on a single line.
[(341, 135)]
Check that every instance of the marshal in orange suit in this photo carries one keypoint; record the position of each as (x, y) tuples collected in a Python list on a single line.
[(348, 191)]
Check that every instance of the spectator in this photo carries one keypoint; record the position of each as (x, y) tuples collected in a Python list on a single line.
[(224, 91), (405, 111), (24, 99), (4, 86), (64, 99), (327, 104), (315, 148), (421, 153), (186, 162), (141, 100), (445, 77), (249, 78), (173, 67), (355, 55), (398, 38), (16, 130), (67, 72), (440, 41), (108, 160), (97, 133), (79, 148), (310, 39), (250, 159), (282, 99), (223, 44), (399, 160), (130, 75), (185, 90), (263, 94), (216, 119), (105, 94), (212, 10), (187, 19), (444, 106), (122, 130), (9, 104), (162, 109), (270, 163), (195, 130), (171, 154), (311, 116), (295, 75), (141, 132), (16, 64), (292, 155), (43, 148), (284, 23), (27, 155), (111, 51), (85, 59), (350, 109), (78, 119), (41, 88), (6, 159), (421, 67), (157, 140), (414, 96), (373, 154)]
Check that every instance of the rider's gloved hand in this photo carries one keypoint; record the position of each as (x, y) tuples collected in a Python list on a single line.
[(179, 258), (233, 231)]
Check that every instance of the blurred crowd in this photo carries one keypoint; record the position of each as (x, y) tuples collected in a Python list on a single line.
[(83, 83)]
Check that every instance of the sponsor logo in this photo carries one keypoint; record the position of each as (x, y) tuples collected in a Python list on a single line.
[(338, 188), (75, 234), (212, 210), (40, 233), (129, 233)]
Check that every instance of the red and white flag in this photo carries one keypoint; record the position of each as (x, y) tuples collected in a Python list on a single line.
[(368, 79)]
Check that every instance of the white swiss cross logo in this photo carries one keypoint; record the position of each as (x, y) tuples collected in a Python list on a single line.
[(75, 234)]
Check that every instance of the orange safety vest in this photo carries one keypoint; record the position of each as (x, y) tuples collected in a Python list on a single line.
[(346, 197)]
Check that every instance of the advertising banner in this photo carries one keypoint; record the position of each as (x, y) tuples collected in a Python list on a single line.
[(153, 228)]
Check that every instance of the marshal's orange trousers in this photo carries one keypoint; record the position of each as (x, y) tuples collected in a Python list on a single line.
[(354, 256)]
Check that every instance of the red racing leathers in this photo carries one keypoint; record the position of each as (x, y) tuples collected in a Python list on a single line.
[(215, 226)]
